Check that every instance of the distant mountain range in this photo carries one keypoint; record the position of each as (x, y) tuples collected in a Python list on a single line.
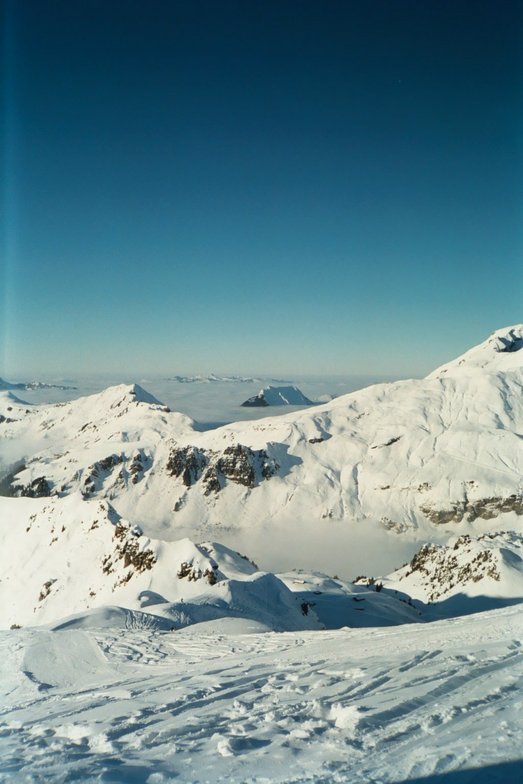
[(9, 385), (211, 378)]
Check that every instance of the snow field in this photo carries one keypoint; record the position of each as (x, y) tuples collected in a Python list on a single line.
[(199, 706)]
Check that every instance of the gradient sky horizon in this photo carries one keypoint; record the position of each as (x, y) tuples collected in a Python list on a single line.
[(282, 186)]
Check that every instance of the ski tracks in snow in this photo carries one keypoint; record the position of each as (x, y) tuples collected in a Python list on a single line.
[(350, 705)]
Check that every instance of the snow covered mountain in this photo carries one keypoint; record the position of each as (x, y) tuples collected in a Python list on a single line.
[(96, 687), (445, 451), (466, 575), (75, 555), (279, 396), (72, 556), (490, 565)]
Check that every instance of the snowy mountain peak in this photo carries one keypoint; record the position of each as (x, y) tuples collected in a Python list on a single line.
[(278, 396), (128, 393), (502, 351)]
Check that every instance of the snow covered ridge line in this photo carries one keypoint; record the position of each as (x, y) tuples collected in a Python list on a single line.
[(498, 352), (70, 556), (415, 455), (212, 378)]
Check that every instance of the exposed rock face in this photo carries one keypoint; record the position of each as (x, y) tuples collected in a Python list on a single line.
[(510, 342), (237, 463), (108, 462), (257, 401), (187, 462), (137, 468), (444, 568), (38, 488), (97, 470), (389, 442), (46, 589), (194, 573), (485, 508), (130, 550)]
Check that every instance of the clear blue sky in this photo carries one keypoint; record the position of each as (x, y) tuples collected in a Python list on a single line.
[(258, 186)]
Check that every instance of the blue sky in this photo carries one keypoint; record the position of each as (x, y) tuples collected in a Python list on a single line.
[(263, 187)]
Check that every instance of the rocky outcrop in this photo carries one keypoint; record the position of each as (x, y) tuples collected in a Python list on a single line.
[(131, 550), (389, 442), (99, 470), (193, 573), (237, 463), (137, 468), (484, 508), (38, 488), (513, 341), (46, 589), (443, 568), (188, 463)]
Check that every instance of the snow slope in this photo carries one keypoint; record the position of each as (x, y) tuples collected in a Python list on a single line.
[(442, 701)]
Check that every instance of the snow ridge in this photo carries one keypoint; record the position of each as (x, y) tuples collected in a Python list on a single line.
[(498, 353)]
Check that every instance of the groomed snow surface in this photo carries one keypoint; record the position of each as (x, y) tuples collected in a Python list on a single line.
[(437, 702)]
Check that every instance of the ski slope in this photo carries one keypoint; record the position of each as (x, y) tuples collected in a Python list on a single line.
[(213, 704)]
